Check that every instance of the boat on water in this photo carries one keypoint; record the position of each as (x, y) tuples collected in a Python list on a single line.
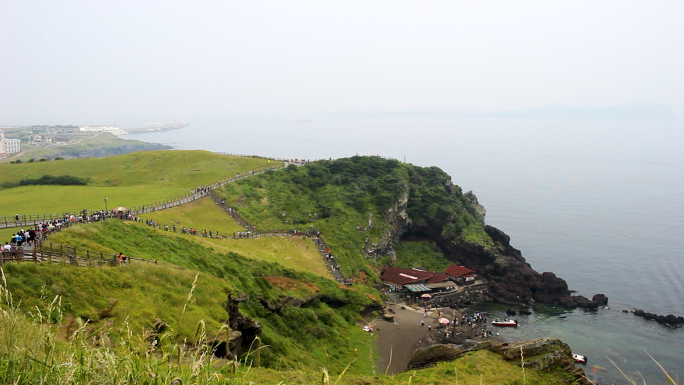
[(580, 359), (505, 322)]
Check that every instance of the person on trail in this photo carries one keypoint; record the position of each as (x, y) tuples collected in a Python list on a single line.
[(422, 323), (121, 257)]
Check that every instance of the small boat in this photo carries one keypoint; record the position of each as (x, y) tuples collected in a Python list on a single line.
[(505, 322), (580, 359)]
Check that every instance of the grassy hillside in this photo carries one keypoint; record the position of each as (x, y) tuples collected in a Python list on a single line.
[(322, 332), (126, 180), (65, 325), (349, 200)]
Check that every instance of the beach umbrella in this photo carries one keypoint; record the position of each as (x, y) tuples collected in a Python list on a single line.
[(443, 321), (121, 208), (426, 296)]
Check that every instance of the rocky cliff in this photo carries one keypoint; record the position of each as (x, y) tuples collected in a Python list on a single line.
[(511, 280)]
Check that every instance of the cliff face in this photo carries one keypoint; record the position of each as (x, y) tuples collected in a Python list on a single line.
[(511, 279), (399, 222)]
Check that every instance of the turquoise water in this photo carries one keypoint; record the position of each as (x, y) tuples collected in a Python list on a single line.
[(598, 203)]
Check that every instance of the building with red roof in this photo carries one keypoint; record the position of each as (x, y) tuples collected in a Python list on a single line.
[(399, 277), (461, 273)]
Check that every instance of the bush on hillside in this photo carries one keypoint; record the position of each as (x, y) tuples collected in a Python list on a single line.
[(59, 180)]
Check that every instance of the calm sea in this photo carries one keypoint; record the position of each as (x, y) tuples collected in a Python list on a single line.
[(600, 203)]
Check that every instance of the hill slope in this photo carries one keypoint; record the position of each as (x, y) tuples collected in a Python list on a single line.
[(365, 206)]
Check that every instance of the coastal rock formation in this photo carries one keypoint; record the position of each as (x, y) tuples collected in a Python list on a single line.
[(470, 295), (427, 357), (669, 319), (511, 280), (541, 354), (601, 299)]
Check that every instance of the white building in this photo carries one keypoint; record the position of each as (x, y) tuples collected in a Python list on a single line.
[(12, 146), (8, 146)]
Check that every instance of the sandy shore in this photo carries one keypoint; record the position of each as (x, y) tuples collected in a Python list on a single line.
[(397, 340)]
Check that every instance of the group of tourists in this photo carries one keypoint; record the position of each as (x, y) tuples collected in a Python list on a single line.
[(298, 162), (29, 237), (201, 190)]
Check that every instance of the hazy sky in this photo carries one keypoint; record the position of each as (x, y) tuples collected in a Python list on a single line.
[(95, 61)]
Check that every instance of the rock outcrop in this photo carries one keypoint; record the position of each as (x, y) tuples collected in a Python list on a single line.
[(242, 332), (399, 224), (669, 319), (511, 280), (544, 354)]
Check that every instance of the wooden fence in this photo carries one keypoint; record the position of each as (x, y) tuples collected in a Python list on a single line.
[(66, 254), (22, 220)]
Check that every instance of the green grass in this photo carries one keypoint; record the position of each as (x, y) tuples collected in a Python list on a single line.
[(423, 254), (30, 200), (202, 214), (296, 337), (142, 293), (349, 200), (480, 367), (126, 180)]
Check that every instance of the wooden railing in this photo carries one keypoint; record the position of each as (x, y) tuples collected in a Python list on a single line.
[(72, 255), (68, 255), (22, 220)]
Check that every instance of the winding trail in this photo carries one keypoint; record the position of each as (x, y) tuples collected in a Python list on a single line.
[(68, 254)]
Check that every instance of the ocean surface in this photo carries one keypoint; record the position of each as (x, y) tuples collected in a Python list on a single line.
[(599, 203)]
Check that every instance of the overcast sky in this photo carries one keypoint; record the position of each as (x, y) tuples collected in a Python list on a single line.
[(96, 61)]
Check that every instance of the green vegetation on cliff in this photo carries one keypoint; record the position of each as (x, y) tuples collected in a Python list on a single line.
[(351, 202)]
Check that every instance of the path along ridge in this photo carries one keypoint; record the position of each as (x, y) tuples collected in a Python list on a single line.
[(69, 254)]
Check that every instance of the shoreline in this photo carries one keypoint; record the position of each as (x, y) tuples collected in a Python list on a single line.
[(398, 340)]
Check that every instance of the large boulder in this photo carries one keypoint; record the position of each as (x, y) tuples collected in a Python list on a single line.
[(601, 299), (540, 354), (426, 357)]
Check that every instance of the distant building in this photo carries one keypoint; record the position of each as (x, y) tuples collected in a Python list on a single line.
[(12, 146), (8, 146)]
